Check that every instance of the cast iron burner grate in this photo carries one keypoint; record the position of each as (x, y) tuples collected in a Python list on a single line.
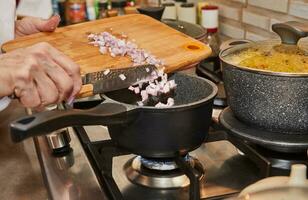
[(273, 153), (101, 154), (160, 174)]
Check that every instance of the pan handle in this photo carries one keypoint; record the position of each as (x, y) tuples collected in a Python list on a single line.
[(106, 113), (206, 73)]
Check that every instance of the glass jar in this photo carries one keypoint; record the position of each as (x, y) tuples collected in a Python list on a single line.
[(76, 11), (210, 23)]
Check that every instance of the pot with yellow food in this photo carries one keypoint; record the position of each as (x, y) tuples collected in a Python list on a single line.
[(266, 82)]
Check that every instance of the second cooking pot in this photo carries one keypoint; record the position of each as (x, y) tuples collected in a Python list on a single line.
[(267, 82)]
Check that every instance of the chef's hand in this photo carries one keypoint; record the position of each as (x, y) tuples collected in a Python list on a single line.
[(39, 75), (30, 25)]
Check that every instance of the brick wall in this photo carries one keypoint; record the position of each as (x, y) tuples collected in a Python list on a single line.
[(252, 19)]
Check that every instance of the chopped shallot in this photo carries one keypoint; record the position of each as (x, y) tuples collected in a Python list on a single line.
[(106, 72), (121, 47), (137, 90), (103, 50), (158, 82), (131, 88), (170, 102), (122, 77), (144, 95)]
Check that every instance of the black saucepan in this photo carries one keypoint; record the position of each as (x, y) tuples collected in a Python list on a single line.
[(272, 100), (147, 131)]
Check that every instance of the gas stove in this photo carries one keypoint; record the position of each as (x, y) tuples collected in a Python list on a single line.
[(94, 167), (87, 164)]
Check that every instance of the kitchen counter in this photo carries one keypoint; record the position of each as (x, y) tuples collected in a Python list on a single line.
[(20, 175)]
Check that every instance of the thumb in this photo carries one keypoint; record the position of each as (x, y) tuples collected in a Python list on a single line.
[(48, 25)]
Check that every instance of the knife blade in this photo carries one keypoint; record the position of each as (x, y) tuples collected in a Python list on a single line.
[(114, 79)]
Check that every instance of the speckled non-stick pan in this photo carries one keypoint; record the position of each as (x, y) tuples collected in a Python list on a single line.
[(271, 100), (146, 131)]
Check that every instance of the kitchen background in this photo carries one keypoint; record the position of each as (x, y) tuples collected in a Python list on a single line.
[(250, 19), (242, 19)]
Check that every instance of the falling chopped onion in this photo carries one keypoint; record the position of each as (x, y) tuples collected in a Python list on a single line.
[(131, 88), (158, 82), (137, 90)]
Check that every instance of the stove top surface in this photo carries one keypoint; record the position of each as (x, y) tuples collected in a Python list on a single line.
[(75, 177), (226, 165)]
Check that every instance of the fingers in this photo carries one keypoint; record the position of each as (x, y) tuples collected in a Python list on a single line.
[(47, 25), (31, 25), (44, 76), (63, 82), (47, 90), (29, 96), (71, 68)]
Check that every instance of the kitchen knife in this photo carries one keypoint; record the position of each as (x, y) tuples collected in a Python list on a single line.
[(113, 79)]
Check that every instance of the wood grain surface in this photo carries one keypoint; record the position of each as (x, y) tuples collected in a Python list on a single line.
[(176, 49)]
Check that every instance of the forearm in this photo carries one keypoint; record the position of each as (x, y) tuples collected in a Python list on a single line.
[(6, 84)]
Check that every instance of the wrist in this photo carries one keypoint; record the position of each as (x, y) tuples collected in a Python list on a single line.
[(6, 77)]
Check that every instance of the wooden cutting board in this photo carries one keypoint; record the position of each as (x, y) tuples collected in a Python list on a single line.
[(176, 49)]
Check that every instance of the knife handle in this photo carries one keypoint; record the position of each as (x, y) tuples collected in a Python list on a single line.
[(86, 91)]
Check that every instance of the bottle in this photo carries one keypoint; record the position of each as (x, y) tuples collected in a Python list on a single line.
[(62, 12), (178, 4), (55, 7), (91, 15), (76, 11), (210, 23), (170, 11), (102, 7), (111, 12), (119, 5)]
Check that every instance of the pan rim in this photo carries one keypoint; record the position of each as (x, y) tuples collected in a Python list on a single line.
[(229, 50), (210, 97)]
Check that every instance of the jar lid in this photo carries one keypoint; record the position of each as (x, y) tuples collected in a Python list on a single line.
[(118, 3), (209, 7), (187, 5), (103, 5), (168, 4)]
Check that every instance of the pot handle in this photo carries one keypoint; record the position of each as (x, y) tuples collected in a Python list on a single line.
[(106, 113), (206, 73), (232, 42), (291, 32)]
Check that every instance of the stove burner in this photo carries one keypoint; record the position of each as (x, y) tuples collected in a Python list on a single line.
[(161, 164), (168, 176)]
